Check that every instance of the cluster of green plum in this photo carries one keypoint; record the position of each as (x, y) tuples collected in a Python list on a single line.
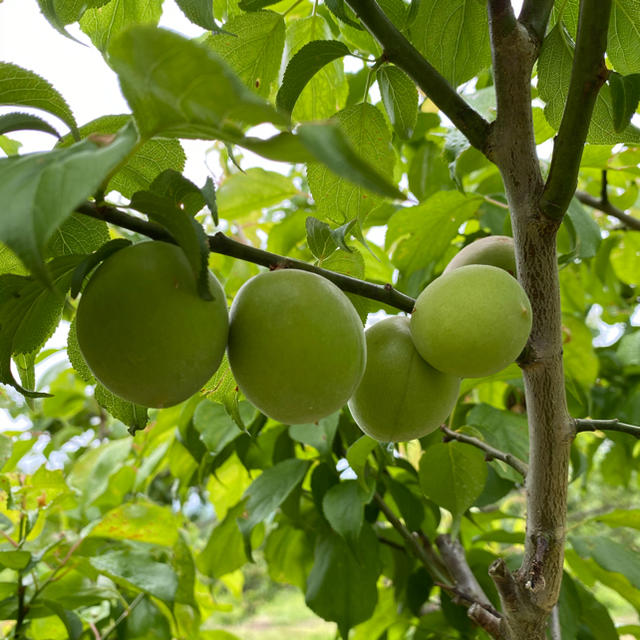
[(295, 343)]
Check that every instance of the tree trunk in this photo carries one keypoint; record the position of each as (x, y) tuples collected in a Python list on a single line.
[(529, 596)]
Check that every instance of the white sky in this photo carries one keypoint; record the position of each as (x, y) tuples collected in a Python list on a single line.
[(79, 73)]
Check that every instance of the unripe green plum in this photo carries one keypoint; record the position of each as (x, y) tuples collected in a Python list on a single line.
[(144, 331), (296, 345), (401, 396), (472, 321), (493, 250)]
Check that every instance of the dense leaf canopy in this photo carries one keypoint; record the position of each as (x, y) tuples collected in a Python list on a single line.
[(386, 152)]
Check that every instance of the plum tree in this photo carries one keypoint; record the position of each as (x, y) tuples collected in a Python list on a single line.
[(144, 331), (296, 345), (494, 250), (472, 321), (400, 396)]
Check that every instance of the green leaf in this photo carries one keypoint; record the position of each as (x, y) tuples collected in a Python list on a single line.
[(320, 240), (289, 557), (186, 231), (421, 234), (453, 36), (554, 73), (103, 24), (355, 156), (29, 313), (25, 121), (629, 350), (21, 87), (70, 620), (344, 13), (9, 146), (327, 90), (242, 194), (15, 559), (133, 415), (48, 8), (358, 453), (143, 521), (252, 48), (40, 191), (623, 44), (429, 171), (625, 93), (78, 235), (146, 162), (580, 360), (215, 426), (200, 12), (319, 435), (343, 506), (453, 475), (270, 489), (504, 430), (624, 258), (595, 616), (308, 60), (621, 517), (225, 550), (409, 504), (156, 70), (255, 5), (342, 584), (91, 471), (610, 555), (585, 230), (400, 98), (138, 570)]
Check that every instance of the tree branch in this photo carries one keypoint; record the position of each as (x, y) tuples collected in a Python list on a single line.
[(555, 630), (588, 74), (454, 558), (453, 566), (219, 243), (534, 15), (606, 207), (401, 52), (485, 619), (491, 452), (606, 425), (424, 552)]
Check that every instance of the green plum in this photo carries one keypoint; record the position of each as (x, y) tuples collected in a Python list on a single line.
[(144, 331), (401, 396), (472, 321), (296, 345), (494, 250)]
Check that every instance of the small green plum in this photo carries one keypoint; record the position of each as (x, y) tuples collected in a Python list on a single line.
[(401, 396), (493, 250), (144, 331), (296, 345), (472, 321)]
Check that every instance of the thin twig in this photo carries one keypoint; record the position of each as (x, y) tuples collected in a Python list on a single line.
[(9, 539), (588, 74), (607, 425), (535, 16), (220, 243), (123, 615), (491, 452), (606, 207), (424, 553), (401, 52), (455, 559), (485, 619)]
